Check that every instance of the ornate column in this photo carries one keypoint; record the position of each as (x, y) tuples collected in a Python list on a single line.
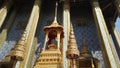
[(23, 48), (106, 45), (36, 8), (4, 10), (66, 25)]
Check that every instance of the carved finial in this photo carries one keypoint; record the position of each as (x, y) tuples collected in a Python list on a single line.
[(55, 23), (55, 19)]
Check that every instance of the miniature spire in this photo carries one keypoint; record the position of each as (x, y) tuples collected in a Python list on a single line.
[(17, 52), (84, 47), (72, 46), (85, 51), (72, 52)]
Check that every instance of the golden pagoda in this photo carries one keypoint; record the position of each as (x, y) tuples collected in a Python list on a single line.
[(86, 60), (51, 57), (72, 52)]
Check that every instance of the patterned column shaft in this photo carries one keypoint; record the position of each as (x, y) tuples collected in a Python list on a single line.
[(20, 47), (4, 10), (37, 6), (24, 46), (108, 53), (66, 25)]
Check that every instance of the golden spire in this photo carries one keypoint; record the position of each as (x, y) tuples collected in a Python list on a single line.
[(17, 52), (85, 52), (72, 52)]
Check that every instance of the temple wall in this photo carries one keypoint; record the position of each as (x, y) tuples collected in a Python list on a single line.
[(78, 15)]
